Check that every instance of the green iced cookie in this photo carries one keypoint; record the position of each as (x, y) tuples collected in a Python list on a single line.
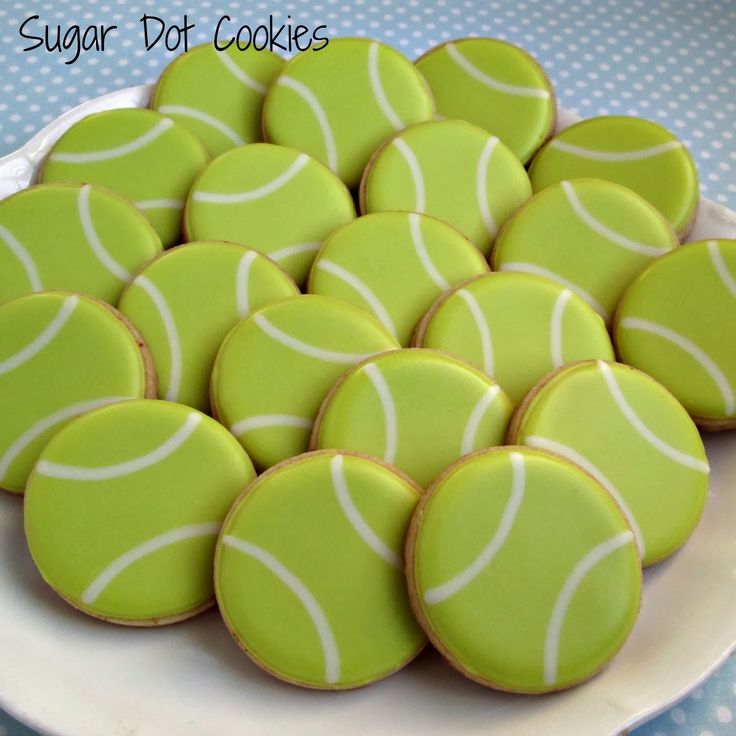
[(185, 302), (452, 170), (394, 265), (218, 95), (274, 199), (495, 85), (60, 355), (522, 570), (140, 489), (635, 153), (140, 154), (677, 322), (325, 607), (419, 410), (340, 103), (514, 327)]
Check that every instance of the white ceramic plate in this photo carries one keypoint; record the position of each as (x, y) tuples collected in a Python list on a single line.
[(67, 674)]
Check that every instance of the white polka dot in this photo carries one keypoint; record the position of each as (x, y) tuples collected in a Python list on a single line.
[(723, 714)]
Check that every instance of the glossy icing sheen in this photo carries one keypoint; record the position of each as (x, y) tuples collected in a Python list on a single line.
[(140, 154), (142, 488), (589, 235), (394, 265), (495, 85), (676, 322), (218, 95), (341, 103), (634, 437), (73, 237), (60, 355), (635, 153), (274, 199), (275, 367), (523, 570), (326, 607), (417, 409), (452, 170), (186, 302), (515, 327)]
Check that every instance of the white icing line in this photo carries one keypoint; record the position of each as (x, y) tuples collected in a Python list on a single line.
[(389, 410), (105, 472), (720, 265), (481, 186), (238, 73), (479, 410), (558, 312), (291, 250), (20, 252), (615, 156), (242, 277), (159, 204), (297, 587), (98, 585), (203, 117), (421, 251), (262, 421), (93, 239), (565, 596), (415, 171), (378, 90), (456, 584), (484, 330), (41, 341)]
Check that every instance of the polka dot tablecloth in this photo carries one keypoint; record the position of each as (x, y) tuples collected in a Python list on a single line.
[(672, 61)]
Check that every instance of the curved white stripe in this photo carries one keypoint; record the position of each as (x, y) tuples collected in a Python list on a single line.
[(105, 472), (203, 117), (421, 251), (416, 173), (95, 588), (653, 251), (565, 596), (481, 186), (242, 277), (159, 204), (720, 265), (312, 607), (262, 421), (484, 330), (311, 99), (378, 90), (291, 250), (362, 288), (483, 78), (93, 239), (454, 585), (615, 156), (240, 74), (695, 352), (471, 428), (39, 343), (137, 143), (389, 410), (355, 518), (20, 252), (558, 312)]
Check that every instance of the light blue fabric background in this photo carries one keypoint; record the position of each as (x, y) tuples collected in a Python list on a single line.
[(672, 61)]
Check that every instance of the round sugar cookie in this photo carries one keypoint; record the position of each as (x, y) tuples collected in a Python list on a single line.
[(633, 437), (590, 235), (515, 327), (75, 237), (326, 607), (274, 199), (218, 95), (419, 410), (633, 152), (495, 85), (341, 103), (677, 321), (142, 488), (394, 265), (275, 367), (185, 302), (522, 570), (61, 355), (452, 170), (140, 154)]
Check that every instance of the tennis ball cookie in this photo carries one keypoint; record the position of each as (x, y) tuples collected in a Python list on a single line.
[(142, 488), (185, 302), (635, 153), (676, 322), (633, 437), (495, 85), (419, 410), (327, 607), (140, 154), (340, 104), (217, 95), (274, 199), (590, 235), (515, 327), (522, 570), (394, 265), (275, 367), (61, 355), (452, 170), (74, 237)]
